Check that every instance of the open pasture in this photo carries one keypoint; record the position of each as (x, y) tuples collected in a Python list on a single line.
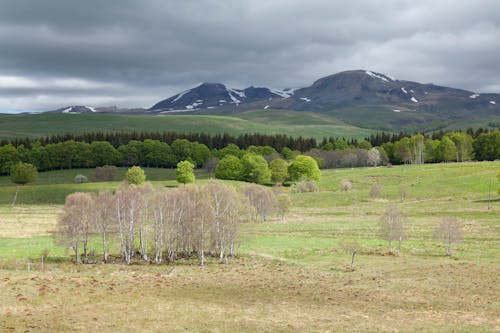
[(291, 275)]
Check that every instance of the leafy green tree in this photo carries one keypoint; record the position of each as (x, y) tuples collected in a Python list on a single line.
[(487, 146), (185, 172), (402, 150), (230, 149), (364, 145), (340, 144), (135, 175), (463, 144), (103, 153), (304, 167), (279, 170), (21, 174), (230, 167), (255, 169), (158, 154), (287, 153), (8, 156), (430, 150), (132, 153), (446, 150)]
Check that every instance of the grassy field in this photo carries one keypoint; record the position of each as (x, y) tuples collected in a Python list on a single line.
[(259, 121), (291, 275)]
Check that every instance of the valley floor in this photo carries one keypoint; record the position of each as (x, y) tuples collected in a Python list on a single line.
[(291, 275)]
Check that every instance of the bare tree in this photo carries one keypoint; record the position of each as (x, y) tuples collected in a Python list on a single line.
[(282, 204), (351, 246), (144, 192), (376, 190), (392, 227), (127, 206), (448, 232), (403, 191), (262, 199), (104, 219), (229, 211), (159, 214), (74, 224), (373, 158), (345, 185)]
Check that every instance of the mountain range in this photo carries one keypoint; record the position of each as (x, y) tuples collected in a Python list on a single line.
[(360, 97)]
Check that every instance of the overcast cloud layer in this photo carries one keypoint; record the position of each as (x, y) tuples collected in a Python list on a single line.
[(129, 53)]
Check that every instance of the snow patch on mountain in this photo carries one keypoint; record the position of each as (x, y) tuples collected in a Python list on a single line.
[(493, 102), (195, 104), (91, 108), (179, 96), (473, 96), (305, 99), (241, 94), (413, 99), (285, 93), (266, 107), (378, 76), (404, 90)]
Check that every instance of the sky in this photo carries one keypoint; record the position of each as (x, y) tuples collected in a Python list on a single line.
[(133, 53)]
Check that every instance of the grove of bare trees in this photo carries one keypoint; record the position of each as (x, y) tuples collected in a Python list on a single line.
[(162, 225)]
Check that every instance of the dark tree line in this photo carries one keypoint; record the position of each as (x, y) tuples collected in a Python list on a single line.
[(162, 150), (216, 141)]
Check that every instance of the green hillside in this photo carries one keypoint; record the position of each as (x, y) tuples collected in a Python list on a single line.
[(293, 123)]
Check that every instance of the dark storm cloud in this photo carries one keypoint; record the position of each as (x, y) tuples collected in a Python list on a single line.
[(133, 53)]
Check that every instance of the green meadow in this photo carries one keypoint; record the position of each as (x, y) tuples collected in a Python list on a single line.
[(290, 275), (258, 121)]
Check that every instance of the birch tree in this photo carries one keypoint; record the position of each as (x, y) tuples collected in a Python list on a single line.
[(392, 227), (104, 219), (74, 224), (449, 232)]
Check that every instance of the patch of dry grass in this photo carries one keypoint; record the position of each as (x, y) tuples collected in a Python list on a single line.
[(251, 295), (27, 220)]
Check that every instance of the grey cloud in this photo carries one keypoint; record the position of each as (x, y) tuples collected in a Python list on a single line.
[(138, 52)]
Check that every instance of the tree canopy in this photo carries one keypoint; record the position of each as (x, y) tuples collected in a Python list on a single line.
[(185, 172), (23, 173), (135, 175), (304, 167)]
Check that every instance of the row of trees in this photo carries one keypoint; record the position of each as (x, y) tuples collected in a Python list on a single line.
[(393, 229), (254, 168), (161, 225), (212, 141), (417, 149)]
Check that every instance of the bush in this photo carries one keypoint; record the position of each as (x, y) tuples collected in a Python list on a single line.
[(345, 185), (81, 179), (304, 167), (135, 175), (23, 173), (185, 172), (376, 190), (304, 186), (106, 173)]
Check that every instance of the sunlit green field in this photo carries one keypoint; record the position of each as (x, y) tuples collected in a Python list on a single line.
[(258, 121), (291, 275)]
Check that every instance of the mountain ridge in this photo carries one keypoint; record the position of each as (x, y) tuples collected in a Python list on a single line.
[(361, 97)]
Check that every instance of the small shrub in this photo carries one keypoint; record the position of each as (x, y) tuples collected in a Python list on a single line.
[(105, 173), (376, 190), (345, 185), (81, 179), (304, 186)]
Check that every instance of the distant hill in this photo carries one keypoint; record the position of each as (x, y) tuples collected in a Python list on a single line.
[(364, 98), (359, 97)]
